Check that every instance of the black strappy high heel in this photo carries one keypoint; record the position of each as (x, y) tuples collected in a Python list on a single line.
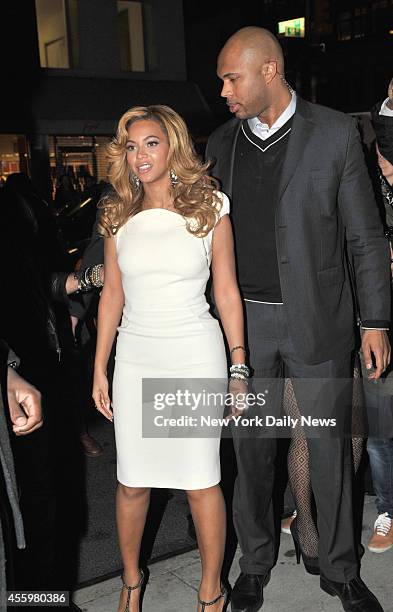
[(223, 594), (129, 589), (311, 564)]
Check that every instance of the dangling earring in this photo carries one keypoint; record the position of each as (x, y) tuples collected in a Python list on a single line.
[(136, 182), (174, 179)]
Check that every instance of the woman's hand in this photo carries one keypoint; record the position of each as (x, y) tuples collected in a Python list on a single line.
[(101, 395), (238, 389), (71, 284)]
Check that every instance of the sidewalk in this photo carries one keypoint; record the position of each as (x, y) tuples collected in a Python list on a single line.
[(173, 583)]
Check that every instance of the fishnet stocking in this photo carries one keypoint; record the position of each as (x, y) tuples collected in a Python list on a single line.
[(298, 463)]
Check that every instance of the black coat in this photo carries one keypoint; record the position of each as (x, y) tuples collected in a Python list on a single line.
[(326, 203), (34, 315)]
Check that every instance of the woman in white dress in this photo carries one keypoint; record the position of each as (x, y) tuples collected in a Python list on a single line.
[(165, 226)]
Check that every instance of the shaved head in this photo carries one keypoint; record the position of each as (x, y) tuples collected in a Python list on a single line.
[(251, 66), (258, 44)]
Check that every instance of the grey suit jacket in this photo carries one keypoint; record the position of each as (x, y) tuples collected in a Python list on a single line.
[(326, 203)]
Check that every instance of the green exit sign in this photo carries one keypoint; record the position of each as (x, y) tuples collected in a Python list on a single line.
[(292, 28)]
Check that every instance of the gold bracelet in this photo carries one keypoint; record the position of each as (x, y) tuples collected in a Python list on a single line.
[(235, 348)]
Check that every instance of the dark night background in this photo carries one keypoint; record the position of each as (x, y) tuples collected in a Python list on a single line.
[(344, 61)]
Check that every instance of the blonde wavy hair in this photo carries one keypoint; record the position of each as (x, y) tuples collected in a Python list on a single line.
[(195, 192)]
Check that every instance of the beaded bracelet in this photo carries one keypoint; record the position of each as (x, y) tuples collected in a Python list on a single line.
[(97, 281), (94, 275), (238, 376), (240, 367), (89, 278), (239, 371)]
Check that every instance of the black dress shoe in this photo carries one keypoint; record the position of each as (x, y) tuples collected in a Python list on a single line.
[(354, 595), (247, 594)]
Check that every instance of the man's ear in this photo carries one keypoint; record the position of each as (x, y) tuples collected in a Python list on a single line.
[(269, 70)]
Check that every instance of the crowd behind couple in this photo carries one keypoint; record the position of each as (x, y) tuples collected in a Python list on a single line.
[(292, 238)]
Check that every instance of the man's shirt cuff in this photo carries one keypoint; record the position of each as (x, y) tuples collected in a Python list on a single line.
[(375, 324)]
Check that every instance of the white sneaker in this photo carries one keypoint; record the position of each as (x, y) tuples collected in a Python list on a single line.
[(382, 538)]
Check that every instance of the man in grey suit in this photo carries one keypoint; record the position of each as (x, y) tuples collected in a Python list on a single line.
[(301, 203)]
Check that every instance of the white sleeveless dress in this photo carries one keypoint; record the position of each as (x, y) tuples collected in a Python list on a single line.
[(166, 332)]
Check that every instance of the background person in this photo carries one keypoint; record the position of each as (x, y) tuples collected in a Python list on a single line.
[(35, 321), (379, 396)]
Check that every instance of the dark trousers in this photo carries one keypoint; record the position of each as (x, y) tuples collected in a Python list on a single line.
[(273, 355)]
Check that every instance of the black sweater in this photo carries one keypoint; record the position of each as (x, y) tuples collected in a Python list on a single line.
[(257, 172)]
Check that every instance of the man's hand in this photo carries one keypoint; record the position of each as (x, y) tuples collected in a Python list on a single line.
[(375, 342), (24, 402)]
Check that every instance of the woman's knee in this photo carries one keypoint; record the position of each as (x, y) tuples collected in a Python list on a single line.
[(195, 495), (133, 493)]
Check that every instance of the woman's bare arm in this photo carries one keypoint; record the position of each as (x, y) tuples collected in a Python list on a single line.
[(226, 291), (110, 307), (109, 314)]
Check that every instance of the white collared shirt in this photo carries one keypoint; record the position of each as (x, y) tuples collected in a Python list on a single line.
[(263, 131), (385, 110)]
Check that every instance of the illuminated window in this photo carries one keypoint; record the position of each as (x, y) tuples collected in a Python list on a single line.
[(131, 38), (293, 28), (57, 33)]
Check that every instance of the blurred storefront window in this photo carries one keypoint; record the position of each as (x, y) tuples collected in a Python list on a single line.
[(13, 155), (81, 158)]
